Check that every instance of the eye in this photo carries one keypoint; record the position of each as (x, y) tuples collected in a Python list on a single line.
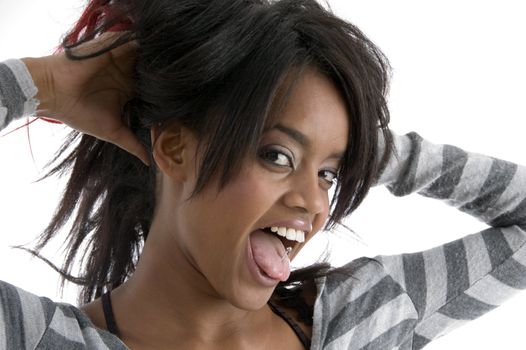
[(329, 176), (277, 156)]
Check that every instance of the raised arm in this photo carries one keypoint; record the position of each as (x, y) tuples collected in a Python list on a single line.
[(463, 279), (87, 95)]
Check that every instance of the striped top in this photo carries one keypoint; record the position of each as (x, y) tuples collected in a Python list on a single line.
[(405, 301), (390, 302)]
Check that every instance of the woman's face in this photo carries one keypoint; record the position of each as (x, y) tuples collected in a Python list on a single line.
[(220, 234)]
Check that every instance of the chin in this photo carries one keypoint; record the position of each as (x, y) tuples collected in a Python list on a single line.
[(251, 299)]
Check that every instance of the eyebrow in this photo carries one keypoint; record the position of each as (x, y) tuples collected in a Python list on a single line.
[(294, 134), (301, 138)]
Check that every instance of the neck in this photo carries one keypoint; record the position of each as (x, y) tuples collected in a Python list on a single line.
[(168, 300)]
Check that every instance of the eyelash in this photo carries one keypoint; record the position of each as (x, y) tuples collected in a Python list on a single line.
[(334, 177), (267, 153)]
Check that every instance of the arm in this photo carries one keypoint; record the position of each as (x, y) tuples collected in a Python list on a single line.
[(88, 95), (466, 278)]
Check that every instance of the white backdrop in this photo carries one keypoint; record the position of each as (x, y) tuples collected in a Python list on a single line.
[(459, 78)]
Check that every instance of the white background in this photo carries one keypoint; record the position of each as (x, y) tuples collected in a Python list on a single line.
[(459, 78)]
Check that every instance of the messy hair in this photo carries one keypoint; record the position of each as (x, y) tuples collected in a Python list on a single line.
[(215, 67)]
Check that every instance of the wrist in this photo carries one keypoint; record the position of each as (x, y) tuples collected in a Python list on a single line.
[(39, 70)]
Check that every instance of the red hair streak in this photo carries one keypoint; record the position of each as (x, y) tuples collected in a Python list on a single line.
[(88, 25), (92, 19), (88, 21)]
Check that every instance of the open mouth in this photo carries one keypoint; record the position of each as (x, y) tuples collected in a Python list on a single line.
[(269, 249), (289, 237)]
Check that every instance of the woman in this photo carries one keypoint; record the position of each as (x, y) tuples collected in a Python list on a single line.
[(196, 277)]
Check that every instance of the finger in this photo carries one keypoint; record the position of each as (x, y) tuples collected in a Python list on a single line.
[(126, 140), (98, 43), (128, 49)]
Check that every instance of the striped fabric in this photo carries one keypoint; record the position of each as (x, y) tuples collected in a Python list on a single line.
[(17, 92), (390, 302), (405, 301), (31, 322)]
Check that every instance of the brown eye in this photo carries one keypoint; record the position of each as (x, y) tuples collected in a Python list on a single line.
[(277, 157), (328, 176)]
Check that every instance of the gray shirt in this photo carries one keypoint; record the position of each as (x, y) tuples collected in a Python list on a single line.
[(389, 302)]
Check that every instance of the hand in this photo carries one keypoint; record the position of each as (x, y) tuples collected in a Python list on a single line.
[(88, 95)]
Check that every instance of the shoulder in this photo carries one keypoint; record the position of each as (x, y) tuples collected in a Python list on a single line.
[(358, 300), (23, 317), (362, 287), (30, 322), (358, 274)]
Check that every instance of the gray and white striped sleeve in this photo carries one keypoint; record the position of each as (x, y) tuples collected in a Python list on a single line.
[(17, 92), (461, 280), (31, 322), (22, 318)]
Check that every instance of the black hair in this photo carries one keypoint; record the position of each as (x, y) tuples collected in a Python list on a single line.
[(215, 67)]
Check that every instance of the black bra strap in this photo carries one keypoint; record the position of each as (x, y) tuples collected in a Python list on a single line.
[(297, 330), (111, 325)]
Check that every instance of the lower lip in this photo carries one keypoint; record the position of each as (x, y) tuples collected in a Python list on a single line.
[(256, 272)]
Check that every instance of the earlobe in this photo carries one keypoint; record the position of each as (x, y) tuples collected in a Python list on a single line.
[(170, 151)]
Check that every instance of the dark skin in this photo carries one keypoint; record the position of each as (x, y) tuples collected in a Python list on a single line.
[(191, 286), (88, 95), (285, 338)]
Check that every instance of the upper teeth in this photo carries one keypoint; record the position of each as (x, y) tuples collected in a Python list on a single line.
[(289, 233)]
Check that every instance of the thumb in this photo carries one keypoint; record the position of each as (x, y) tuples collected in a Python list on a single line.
[(125, 139)]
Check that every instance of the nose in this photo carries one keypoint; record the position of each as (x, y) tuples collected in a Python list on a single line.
[(306, 194)]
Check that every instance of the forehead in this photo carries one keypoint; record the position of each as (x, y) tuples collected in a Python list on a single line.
[(314, 106)]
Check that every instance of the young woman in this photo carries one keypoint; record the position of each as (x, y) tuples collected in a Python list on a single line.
[(246, 114)]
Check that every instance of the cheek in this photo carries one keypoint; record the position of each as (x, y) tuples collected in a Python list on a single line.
[(253, 191), (227, 217)]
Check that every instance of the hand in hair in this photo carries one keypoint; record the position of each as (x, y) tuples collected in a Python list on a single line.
[(88, 95)]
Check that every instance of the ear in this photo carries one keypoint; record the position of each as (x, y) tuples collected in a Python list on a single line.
[(171, 150)]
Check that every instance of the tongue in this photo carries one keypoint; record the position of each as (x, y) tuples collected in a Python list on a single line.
[(267, 251)]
